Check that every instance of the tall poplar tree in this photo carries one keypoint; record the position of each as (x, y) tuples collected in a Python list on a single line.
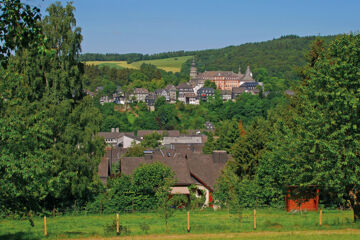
[(49, 152)]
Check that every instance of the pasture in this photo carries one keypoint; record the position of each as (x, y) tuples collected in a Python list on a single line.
[(167, 64), (206, 224)]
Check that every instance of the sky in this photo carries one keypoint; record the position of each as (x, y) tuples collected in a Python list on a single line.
[(153, 26)]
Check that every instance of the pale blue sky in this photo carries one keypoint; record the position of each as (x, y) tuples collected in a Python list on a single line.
[(152, 26)]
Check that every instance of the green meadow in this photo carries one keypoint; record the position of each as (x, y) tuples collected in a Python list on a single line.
[(205, 224), (167, 64)]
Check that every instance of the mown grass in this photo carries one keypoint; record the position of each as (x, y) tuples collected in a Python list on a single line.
[(202, 222), (167, 64)]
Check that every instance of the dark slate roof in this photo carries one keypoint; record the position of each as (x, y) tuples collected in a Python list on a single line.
[(111, 135), (190, 95), (212, 74), (206, 89), (112, 155), (170, 88), (225, 92), (140, 91), (178, 165), (169, 133), (237, 90), (114, 135), (204, 169), (184, 85), (187, 165), (249, 84), (151, 96)]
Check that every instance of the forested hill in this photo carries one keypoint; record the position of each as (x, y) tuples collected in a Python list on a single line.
[(279, 57)]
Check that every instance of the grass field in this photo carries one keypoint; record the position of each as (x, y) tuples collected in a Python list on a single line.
[(167, 64), (272, 223)]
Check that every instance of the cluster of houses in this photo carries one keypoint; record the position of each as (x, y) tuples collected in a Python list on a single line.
[(181, 152), (229, 83)]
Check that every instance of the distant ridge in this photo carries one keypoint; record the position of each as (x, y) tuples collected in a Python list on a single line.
[(279, 56)]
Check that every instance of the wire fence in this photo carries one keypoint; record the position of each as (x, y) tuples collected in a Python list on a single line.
[(180, 221)]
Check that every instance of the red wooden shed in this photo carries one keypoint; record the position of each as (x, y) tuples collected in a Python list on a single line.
[(307, 199)]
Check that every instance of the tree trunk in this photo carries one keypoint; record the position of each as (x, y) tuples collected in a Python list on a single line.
[(354, 202)]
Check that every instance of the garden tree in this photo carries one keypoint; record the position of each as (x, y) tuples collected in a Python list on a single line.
[(209, 84), (228, 133), (146, 120), (166, 117), (319, 144), (136, 150), (139, 76), (151, 71), (248, 148), (160, 101), (49, 149), (119, 196), (109, 89), (151, 184), (151, 140), (165, 203), (209, 145)]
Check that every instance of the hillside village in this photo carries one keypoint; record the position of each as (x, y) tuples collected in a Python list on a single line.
[(183, 153), (229, 84)]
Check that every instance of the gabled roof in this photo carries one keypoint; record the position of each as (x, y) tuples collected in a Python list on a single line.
[(189, 167), (151, 96), (248, 76), (237, 90), (169, 133), (170, 88), (213, 74), (178, 165), (111, 135), (225, 92), (184, 85), (249, 85), (140, 91), (208, 89), (190, 95)]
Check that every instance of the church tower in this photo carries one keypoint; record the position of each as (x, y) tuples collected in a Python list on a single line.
[(239, 73), (193, 70)]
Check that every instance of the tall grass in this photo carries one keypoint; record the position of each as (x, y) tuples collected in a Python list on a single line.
[(205, 221)]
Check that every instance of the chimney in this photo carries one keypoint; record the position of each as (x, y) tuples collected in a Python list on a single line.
[(117, 130), (219, 156), (112, 129)]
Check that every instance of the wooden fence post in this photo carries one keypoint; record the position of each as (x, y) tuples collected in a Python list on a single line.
[(117, 224), (45, 230), (254, 219), (320, 216), (188, 221)]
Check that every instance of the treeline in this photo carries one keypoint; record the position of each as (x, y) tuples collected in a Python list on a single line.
[(132, 57)]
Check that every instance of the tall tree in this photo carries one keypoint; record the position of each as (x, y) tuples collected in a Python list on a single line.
[(319, 144), (49, 151)]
